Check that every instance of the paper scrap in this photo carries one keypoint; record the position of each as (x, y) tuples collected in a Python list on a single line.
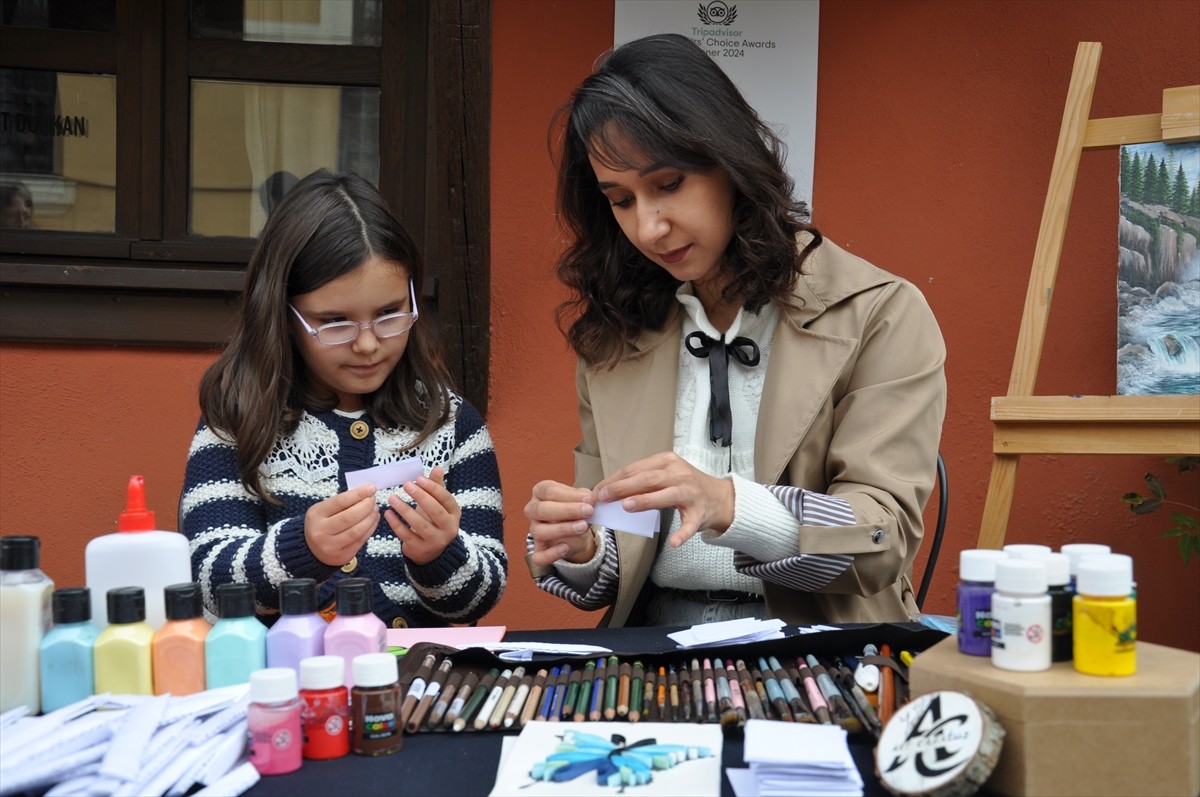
[(611, 515), (454, 636), (393, 474), (729, 632)]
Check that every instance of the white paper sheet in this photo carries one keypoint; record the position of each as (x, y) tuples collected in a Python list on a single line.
[(393, 474), (611, 515)]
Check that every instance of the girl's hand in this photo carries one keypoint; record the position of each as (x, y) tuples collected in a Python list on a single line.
[(336, 528), (432, 525), (664, 481), (558, 523)]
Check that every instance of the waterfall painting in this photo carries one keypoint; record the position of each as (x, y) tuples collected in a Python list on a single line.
[(1158, 272)]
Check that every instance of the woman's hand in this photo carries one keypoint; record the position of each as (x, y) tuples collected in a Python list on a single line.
[(666, 481), (558, 523), (336, 528), (427, 529)]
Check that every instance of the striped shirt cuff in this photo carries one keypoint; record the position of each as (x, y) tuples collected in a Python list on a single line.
[(808, 572)]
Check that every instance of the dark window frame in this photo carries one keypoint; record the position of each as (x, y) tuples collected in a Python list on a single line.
[(150, 284)]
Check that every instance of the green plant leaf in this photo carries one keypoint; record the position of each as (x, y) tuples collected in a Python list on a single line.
[(1156, 486), (1185, 521), (1145, 506)]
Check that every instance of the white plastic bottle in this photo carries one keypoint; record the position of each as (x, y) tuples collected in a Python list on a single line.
[(25, 617), (138, 555), (1021, 619)]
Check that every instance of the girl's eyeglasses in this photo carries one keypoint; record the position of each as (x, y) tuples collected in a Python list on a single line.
[(338, 333)]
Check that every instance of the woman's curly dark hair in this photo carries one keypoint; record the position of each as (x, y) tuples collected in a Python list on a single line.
[(663, 99)]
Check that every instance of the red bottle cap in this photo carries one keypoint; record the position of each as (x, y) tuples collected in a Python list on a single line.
[(136, 516)]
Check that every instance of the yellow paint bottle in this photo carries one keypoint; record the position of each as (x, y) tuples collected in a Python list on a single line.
[(122, 656), (1104, 616)]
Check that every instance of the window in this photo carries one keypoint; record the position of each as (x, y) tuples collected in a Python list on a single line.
[(142, 145)]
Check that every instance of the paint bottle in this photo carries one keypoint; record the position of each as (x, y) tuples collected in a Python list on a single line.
[(326, 712), (273, 726), (137, 555), (299, 633), (977, 576), (25, 617), (1075, 552), (1058, 583), (1020, 550), (66, 656), (1105, 617), (1021, 624), (122, 653), (356, 630), (177, 650), (237, 644), (375, 705)]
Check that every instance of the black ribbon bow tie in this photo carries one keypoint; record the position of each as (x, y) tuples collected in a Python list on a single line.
[(745, 351)]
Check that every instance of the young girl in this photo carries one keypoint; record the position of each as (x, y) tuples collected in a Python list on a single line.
[(331, 369), (773, 392)]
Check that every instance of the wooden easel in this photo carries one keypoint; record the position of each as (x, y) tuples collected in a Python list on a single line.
[(1029, 424)]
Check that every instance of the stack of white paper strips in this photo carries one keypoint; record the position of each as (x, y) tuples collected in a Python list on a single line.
[(130, 745), (796, 758), (729, 632)]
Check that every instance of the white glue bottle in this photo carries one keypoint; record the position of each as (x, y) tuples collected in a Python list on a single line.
[(1021, 620), (138, 555)]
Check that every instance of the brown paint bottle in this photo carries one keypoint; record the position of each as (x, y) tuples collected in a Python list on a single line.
[(375, 700)]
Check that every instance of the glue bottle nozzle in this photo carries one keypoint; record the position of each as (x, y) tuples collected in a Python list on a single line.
[(136, 517)]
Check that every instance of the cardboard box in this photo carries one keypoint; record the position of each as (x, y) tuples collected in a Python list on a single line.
[(1072, 734)]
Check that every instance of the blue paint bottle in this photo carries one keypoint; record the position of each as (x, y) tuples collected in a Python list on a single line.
[(66, 653), (237, 644)]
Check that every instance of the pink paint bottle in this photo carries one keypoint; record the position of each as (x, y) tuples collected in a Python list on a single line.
[(273, 725), (356, 629)]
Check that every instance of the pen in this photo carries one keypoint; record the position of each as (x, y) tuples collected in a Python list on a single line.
[(560, 693), (534, 699), (431, 693), (464, 693), (697, 691), (493, 698), (735, 691), (567, 710), (815, 698), (774, 691), (416, 689), (518, 702), (754, 706), (887, 694), (506, 698), (599, 689), (476, 700), (710, 693), (623, 690), (610, 688), (548, 698), (583, 696), (833, 696), (445, 698), (635, 693)]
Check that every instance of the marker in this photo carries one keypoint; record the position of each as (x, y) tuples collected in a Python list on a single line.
[(534, 699), (517, 705), (476, 700), (583, 697), (416, 689), (506, 698), (489, 705), (626, 673), (610, 689), (906, 658), (431, 693), (445, 698), (460, 700)]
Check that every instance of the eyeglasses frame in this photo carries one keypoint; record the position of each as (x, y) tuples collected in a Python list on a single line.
[(314, 332)]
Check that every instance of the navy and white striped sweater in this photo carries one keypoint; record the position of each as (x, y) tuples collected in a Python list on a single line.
[(238, 537)]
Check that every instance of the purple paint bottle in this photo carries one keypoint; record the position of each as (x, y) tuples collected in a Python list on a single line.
[(299, 633), (977, 582), (356, 630)]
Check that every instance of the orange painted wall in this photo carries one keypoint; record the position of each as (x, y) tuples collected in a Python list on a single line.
[(937, 124)]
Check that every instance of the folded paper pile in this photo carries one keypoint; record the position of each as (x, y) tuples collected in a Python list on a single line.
[(796, 759)]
